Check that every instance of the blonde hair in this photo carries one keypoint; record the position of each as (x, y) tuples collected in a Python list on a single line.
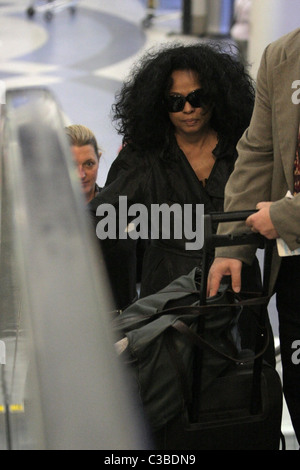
[(80, 135)]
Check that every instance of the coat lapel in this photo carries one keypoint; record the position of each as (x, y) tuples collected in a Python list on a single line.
[(287, 113)]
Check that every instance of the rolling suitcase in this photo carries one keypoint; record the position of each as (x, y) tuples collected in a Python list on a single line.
[(242, 409)]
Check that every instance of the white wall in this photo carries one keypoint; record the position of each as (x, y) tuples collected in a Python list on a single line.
[(270, 19)]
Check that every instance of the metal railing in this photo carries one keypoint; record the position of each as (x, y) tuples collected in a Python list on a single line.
[(61, 385)]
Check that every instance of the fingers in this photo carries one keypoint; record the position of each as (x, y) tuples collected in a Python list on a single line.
[(249, 221), (213, 284), (260, 222), (224, 267), (261, 205), (236, 279)]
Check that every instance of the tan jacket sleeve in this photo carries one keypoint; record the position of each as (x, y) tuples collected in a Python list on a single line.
[(264, 168)]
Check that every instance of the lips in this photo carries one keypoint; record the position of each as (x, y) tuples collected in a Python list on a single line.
[(191, 122)]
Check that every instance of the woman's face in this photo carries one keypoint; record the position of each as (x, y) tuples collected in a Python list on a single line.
[(191, 119), (87, 164)]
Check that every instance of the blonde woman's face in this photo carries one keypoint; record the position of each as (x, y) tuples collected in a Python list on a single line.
[(87, 165)]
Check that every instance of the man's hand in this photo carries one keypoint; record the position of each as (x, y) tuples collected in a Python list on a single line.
[(261, 221), (224, 267)]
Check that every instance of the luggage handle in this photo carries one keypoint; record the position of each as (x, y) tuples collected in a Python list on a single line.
[(212, 241), (231, 216)]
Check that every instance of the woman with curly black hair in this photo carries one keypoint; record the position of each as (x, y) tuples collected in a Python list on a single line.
[(141, 111), (181, 112)]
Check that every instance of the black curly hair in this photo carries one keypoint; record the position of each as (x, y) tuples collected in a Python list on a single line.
[(139, 111)]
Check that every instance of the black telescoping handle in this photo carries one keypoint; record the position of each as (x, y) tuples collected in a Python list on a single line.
[(212, 240), (234, 216)]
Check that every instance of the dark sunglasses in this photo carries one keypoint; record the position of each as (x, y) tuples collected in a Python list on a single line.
[(176, 103)]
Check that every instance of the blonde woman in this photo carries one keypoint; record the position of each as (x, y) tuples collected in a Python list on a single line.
[(123, 265), (87, 155)]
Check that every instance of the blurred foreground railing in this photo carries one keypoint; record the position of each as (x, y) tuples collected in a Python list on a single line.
[(61, 384)]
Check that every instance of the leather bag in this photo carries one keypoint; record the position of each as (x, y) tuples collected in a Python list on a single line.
[(161, 334)]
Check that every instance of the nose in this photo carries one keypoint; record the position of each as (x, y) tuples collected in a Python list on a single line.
[(81, 172), (188, 107)]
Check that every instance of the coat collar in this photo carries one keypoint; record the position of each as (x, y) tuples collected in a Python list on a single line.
[(223, 149), (286, 111)]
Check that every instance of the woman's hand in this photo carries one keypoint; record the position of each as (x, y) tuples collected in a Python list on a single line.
[(224, 267)]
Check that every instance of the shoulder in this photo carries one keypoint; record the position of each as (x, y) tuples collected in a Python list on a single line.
[(128, 160), (285, 46), (92, 206), (290, 40), (130, 155)]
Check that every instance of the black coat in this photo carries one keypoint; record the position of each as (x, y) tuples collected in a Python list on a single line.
[(158, 178)]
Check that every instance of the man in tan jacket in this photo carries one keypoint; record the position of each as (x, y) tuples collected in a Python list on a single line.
[(267, 177)]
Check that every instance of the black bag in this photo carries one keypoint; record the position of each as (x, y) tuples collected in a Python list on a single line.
[(162, 333)]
